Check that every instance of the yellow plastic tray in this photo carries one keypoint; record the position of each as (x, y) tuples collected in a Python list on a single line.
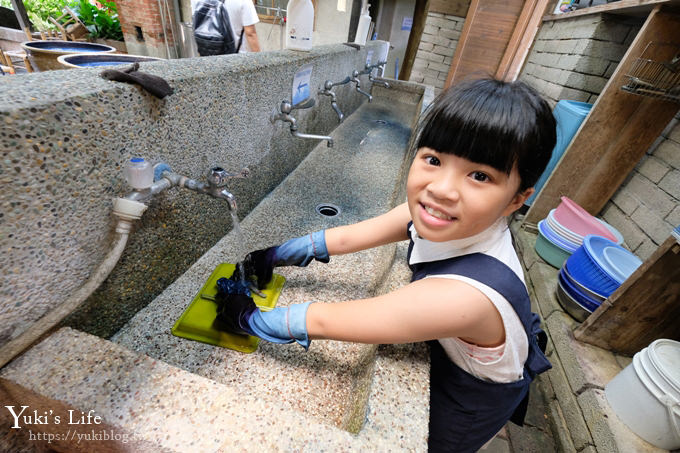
[(196, 323)]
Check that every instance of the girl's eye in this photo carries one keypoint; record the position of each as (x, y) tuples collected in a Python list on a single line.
[(432, 160), (480, 176)]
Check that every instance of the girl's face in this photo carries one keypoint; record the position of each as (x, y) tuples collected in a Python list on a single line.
[(453, 198)]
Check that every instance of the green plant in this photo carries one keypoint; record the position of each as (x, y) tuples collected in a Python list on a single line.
[(101, 19), (39, 11)]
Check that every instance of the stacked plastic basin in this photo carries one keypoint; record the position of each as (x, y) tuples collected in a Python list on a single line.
[(562, 232), (588, 252), (592, 274), (569, 115)]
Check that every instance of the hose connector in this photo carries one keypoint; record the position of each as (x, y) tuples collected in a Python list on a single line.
[(127, 212)]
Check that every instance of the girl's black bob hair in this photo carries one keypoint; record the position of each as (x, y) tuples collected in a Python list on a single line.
[(491, 122)]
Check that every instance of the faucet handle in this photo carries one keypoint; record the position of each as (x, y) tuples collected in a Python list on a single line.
[(286, 107), (307, 103), (328, 84), (218, 176)]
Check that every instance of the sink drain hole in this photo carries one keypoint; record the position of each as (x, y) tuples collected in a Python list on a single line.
[(327, 210), (380, 121)]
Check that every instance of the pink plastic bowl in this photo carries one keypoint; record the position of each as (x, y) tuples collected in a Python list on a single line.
[(578, 220)]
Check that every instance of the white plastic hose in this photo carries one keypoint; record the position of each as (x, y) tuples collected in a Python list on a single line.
[(127, 211)]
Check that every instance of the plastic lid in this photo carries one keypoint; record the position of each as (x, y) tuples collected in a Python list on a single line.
[(137, 159), (666, 355), (621, 262), (595, 248)]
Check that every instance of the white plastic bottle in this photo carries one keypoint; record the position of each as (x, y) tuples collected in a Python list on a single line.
[(299, 24), (364, 23)]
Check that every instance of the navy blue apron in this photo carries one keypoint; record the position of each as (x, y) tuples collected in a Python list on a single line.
[(465, 411)]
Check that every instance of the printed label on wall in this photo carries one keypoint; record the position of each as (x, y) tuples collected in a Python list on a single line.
[(300, 92), (369, 56), (407, 23)]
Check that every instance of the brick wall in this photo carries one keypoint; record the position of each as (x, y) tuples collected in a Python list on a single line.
[(574, 58), (437, 45), (142, 26), (647, 206)]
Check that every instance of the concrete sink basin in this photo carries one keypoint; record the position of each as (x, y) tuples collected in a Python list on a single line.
[(363, 176)]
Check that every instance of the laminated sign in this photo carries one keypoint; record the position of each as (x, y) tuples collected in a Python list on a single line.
[(300, 92)]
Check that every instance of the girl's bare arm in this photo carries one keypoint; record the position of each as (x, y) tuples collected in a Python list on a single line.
[(423, 310), (384, 229)]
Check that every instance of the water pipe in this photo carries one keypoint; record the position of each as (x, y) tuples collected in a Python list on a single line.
[(127, 211), (147, 182)]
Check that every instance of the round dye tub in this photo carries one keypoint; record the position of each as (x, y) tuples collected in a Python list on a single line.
[(44, 54), (90, 60)]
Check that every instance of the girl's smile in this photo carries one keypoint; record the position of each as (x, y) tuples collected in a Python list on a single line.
[(435, 216), (451, 197)]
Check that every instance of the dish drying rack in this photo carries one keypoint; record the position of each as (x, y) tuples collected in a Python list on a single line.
[(658, 77)]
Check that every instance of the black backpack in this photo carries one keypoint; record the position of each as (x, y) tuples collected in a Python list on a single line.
[(212, 29)]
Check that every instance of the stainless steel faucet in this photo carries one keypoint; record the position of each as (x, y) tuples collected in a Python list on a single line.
[(355, 79), (166, 178), (327, 87), (376, 81), (369, 70), (284, 115)]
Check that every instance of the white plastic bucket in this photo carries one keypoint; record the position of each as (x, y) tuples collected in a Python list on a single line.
[(646, 394)]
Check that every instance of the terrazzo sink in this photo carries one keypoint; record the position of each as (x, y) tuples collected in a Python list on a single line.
[(362, 175)]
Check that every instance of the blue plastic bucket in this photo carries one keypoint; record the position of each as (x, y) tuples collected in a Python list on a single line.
[(569, 116)]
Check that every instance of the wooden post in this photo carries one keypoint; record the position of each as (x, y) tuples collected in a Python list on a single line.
[(419, 18), (22, 16), (488, 27), (616, 134), (522, 39), (646, 307)]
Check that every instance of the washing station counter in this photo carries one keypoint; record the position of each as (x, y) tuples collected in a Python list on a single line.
[(327, 387), (157, 392)]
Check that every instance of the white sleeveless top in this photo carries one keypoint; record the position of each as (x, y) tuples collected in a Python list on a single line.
[(504, 363)]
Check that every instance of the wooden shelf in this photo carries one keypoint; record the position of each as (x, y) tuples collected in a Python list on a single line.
[(635, 8), (643, 309), (615, 135)]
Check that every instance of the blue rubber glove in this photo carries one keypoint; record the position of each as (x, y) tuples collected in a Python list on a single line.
[(281, 325), (299, 251), (237, 313)]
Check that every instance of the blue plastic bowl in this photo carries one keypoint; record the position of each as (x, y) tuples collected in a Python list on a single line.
[(591, 294), (554, 237), (616, 261), (582, 298), (585, 270)]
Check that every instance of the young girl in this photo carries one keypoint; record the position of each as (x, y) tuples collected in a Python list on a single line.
[(479, 150)]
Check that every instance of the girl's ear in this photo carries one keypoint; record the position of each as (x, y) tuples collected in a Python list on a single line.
[(517, 201)]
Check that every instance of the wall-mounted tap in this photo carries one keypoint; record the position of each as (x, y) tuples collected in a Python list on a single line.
[(369, 70), (165, 178), (326, 91), (355, 79), (284, 115), (217, 178), (377, 81)]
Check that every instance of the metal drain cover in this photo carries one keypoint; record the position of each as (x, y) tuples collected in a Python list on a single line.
[(328, 209)]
